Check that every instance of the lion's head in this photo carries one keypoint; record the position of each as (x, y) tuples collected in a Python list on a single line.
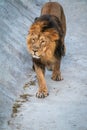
[(42, 37)]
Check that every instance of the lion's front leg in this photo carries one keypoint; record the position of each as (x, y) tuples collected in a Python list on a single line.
[(42, 91), (56, 75)]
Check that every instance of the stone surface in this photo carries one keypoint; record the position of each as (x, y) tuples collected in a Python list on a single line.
[(66, 106)]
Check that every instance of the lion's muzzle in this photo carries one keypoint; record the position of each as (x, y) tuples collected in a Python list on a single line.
[(35, 53)]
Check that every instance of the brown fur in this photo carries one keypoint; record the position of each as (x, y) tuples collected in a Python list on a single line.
[(55, 9), (45, 42)]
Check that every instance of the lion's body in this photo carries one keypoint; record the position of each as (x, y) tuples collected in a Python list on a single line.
[(46, 43), (55, 9)]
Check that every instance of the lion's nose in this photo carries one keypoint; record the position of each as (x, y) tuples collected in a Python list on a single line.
[(35, 50)]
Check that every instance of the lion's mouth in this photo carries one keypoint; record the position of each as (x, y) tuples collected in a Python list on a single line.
[(36, 57)]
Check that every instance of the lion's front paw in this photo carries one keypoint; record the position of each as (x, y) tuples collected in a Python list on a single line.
[(57, 77), (42, 94)]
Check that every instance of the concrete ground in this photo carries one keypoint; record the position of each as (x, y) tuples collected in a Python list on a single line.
[(66, 106)]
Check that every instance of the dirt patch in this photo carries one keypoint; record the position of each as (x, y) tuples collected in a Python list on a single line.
[(25, 96), (15, 108), (30, 83), (18, 103)]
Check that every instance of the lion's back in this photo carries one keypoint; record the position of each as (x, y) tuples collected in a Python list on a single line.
[(54, 8), (51, 8)]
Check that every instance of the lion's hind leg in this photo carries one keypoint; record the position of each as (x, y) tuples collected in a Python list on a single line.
[(56, 75), (63, 50), (50, 67)]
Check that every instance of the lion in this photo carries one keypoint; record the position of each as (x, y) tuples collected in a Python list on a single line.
[(45, 42)]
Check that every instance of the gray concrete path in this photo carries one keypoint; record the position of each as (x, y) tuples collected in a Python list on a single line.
[(66, 106)]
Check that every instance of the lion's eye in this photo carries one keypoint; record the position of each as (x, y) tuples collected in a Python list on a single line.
[(42, 42), (33, 40)]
